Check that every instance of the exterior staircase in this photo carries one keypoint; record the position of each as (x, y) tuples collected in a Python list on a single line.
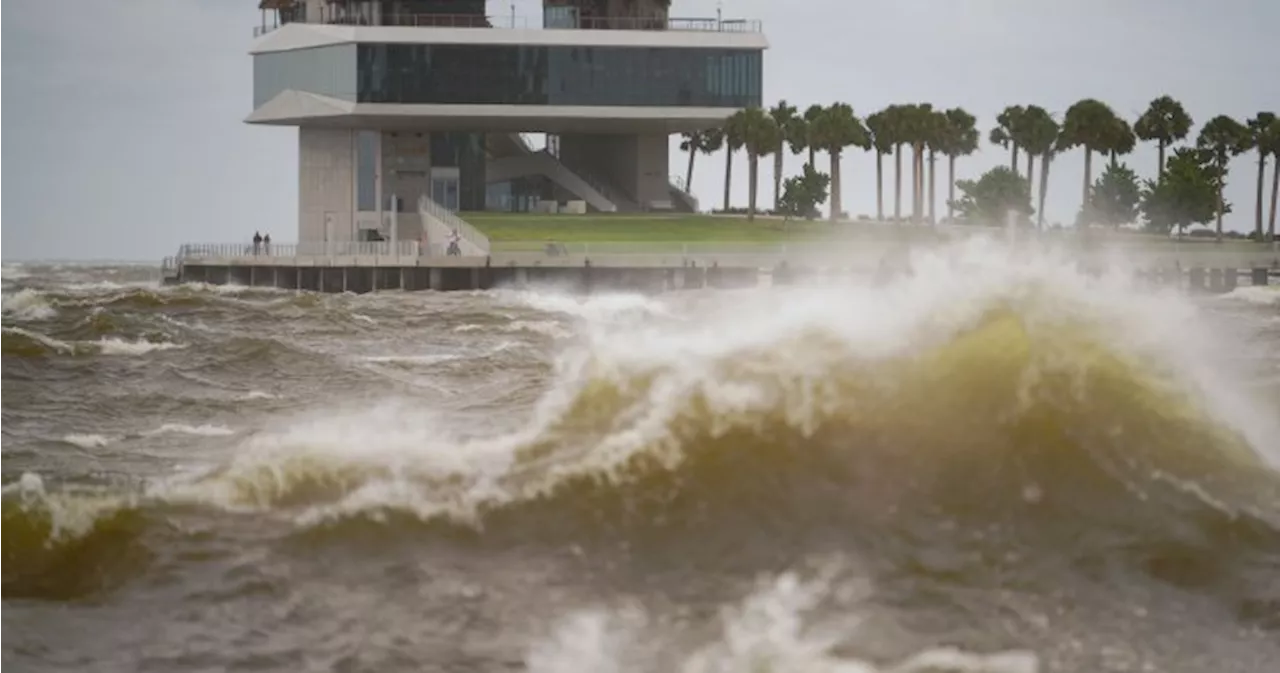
[(439, 223)]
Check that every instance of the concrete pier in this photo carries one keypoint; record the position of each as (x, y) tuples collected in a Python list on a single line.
[(588, 278), (362, 279)]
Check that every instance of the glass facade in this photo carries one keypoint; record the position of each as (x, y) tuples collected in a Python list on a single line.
[(328, 71), (539, 75)]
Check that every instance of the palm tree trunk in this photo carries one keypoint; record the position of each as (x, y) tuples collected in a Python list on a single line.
[(1013, 158), (1044, 188), (728, 174), (777, 176), (1031, 174), (1160, 166), (1262, 172), (811, 159), (835, 184), (1088, 173), (951, 188), (879, 186), (1221, 183), (1114, 159), (688, 176), (897, 183), (1275, 187), (917, 195), (933, 194), (915, 184), (752, 169)]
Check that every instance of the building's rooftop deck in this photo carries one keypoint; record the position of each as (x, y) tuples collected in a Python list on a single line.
[(511, 21)]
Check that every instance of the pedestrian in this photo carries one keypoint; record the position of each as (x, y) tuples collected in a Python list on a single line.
[(266, 245), (257, 242)]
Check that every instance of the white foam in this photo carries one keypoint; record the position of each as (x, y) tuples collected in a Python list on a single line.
[(87, 441), (195, 430), (28, 304), (117, 346), (48, 341), (595, 307), (1267, 295), (258, 395), (775, 628)]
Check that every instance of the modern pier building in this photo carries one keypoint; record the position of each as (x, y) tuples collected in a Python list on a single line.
[(402, 103)]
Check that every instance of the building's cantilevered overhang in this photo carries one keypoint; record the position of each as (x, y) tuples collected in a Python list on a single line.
[(295, 108)]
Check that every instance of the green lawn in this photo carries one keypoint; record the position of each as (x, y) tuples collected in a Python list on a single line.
[(534, 229), (640, 228)]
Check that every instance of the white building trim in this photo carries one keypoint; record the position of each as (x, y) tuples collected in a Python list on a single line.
[(305, 35), (292, 108)]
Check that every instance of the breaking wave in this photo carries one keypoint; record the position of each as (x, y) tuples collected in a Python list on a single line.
[(1014, 406)]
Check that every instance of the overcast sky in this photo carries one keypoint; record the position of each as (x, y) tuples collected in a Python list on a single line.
[(124, 135)]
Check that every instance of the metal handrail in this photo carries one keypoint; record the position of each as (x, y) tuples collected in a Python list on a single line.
[(465, 231), (196, 251)]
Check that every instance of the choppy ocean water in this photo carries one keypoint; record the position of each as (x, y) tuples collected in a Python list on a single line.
[(996, 464)]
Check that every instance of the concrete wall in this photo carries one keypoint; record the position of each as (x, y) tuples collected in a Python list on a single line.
[(326, 184), (634, 164)]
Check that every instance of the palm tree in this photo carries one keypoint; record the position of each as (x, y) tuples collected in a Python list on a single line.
[(896, 118), (733, 140), (1259, 126), (881, 129), (1122, 142), (1223, 137), (1005, 134), (1164, 122), (760, 136), (917, 119), (1090, 124), (936, 140), (784, 118), (706, 142), (1039, 134), (811, 115), (1271, 141), (961, 140), (837, 128)]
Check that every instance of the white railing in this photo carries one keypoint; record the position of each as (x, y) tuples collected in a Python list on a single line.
[(428, 208), (206, 251)]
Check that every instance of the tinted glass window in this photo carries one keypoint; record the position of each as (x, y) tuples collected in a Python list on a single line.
[(329, 71), (516, 75)]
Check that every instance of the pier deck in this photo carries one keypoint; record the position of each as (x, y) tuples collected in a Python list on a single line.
[(368, 267)]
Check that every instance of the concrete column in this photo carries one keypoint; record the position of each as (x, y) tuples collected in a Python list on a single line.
[(1195, 279), (1215, 280), (435, 279), (1258, 276)]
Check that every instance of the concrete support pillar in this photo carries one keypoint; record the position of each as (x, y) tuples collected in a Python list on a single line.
[(1195, 279), (435, 279), (1258, 276), (1215, 280), (1230, 278)]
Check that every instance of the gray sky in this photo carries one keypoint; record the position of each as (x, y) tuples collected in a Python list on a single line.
[(125, 136)]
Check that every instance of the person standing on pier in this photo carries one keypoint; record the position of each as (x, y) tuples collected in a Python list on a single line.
[(266, 245), (257, 242)]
